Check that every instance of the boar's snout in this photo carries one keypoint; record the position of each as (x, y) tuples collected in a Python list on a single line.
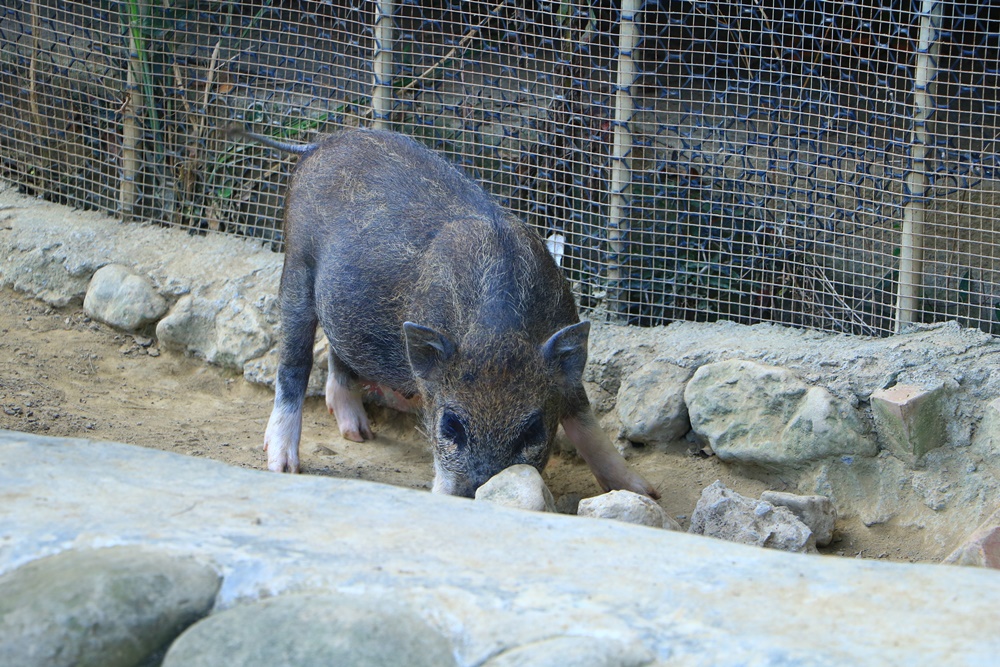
[(468, 454)]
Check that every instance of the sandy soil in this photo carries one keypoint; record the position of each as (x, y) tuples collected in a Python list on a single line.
[(62, 374)]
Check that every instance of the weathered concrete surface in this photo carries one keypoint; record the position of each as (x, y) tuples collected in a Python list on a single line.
[(490, 578), (912, 419)]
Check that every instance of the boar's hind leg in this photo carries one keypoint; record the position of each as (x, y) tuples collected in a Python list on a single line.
[(343, 399), (609, 467)]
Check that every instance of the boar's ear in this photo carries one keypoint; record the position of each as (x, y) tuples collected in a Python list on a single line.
[(426, 349), (566, 351)]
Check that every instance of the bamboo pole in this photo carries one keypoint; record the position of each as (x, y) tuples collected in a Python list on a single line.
[(621, 177), (911, 251), (382, 66), (130, 125)]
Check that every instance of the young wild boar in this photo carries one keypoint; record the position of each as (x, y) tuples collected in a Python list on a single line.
[(423, 284)]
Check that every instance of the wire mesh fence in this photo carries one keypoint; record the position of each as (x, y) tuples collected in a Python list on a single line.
[(830, 165)]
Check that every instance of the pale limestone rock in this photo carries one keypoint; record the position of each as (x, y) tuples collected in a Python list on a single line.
[(726, 515), (651, 404), (817, 512), (518, 486), (755, 414), (629, 507), (123, 299)]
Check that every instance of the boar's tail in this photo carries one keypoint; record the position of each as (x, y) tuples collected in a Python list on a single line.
[(235, 131)]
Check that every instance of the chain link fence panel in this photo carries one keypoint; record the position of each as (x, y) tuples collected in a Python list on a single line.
[(828, 165)]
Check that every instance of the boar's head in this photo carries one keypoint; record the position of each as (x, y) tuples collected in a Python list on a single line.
[(493, 399)]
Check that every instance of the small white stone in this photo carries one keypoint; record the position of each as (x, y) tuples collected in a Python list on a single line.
[(519, 486), (123, 299), (629, 507)]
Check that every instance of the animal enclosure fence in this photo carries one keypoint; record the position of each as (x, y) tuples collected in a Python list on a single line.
[(820, 163)]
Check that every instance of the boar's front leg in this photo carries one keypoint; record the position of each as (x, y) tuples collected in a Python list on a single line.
[(607, 464), (298, 331), (343, 399)]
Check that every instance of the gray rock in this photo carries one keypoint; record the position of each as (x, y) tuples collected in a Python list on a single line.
[(102, 608), (47, 272), (188, 326), (817, 512), (725, 514), (519, 486), (651, 403), (629, 507), (240, 336), (311, 631), (123, 299), (755, 414), (229, 335), (574, 652)]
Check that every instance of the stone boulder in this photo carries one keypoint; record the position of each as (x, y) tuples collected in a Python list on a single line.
[(111, 607), (311, 630), (629, 507), (726, 515), (123, 299), (229, 334), (763, 415), (651, 403), (52, 272)]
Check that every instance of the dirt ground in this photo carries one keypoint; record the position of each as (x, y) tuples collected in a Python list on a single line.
[(62, 374)]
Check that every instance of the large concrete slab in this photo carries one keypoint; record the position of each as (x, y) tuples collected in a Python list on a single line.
[(492, 578)]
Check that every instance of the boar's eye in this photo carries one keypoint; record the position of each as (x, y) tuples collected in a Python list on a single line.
[(533, 433), (452, 429)]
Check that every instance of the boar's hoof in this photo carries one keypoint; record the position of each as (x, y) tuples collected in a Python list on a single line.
[(627, 480), (345, 404), (357, 433), (281, 459)]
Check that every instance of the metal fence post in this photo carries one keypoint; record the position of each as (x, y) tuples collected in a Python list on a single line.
[(382, 66), (621, 177), (911, 251)]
